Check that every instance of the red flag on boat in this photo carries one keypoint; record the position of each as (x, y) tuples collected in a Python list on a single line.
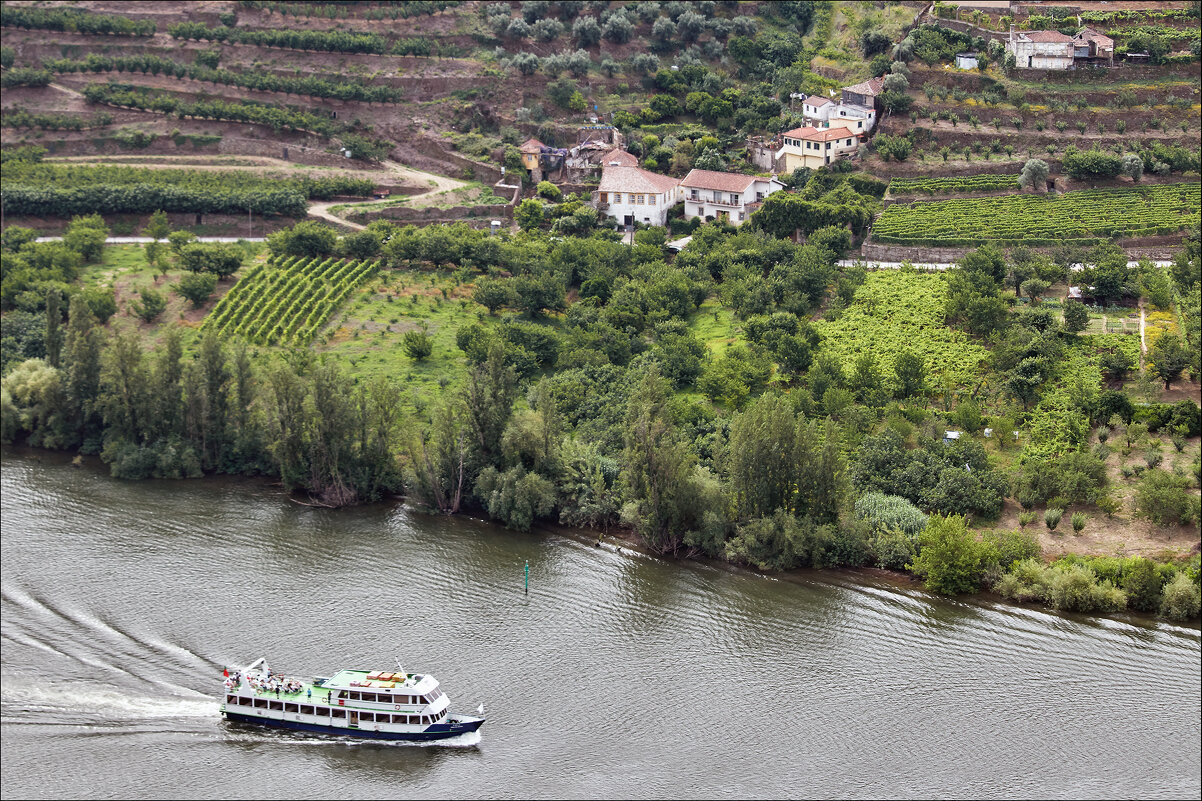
[(225, 672)]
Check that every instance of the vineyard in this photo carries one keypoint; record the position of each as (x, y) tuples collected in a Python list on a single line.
[(288, 301), (58, 190), (335, 86), (952, 185), (1083, 217), (327, 41), (897, 311)]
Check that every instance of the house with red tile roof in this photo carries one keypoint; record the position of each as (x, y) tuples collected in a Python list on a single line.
[(728, 196), (814, 147), (633, 195)]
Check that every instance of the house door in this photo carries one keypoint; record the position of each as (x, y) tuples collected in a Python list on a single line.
[(353, 718), (628, 219)]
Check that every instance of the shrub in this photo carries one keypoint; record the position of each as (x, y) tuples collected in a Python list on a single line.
[(1077, 589), (950, 559), (1051, 518), (151, 306), (549, 190), (1180, 599), (890, 512), (1163, 498), (197, 287), (1027, 518), (417, 344), (1078, 519)]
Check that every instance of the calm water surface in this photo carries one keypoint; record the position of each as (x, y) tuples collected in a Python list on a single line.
[(618, 675)]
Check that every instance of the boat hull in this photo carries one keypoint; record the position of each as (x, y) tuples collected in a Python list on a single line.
[(435, 731)]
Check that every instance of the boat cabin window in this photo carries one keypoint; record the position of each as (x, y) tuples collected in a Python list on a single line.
[(338, 713), (276, 705), (231, 699), (261, 703), (290, 707), (306, 710), (353, 696), (245, 701), (322, 710)]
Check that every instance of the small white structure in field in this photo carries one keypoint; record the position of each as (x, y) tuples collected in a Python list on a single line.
[(966, 61), (951, 436)]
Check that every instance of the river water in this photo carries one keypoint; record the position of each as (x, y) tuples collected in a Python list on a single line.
[(619, 674)]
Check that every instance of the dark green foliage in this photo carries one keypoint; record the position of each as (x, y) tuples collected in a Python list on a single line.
[(1164, 499), (152, 304), (74, 20), (197, 287)]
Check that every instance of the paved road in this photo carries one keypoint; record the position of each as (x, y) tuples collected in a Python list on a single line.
[(894, 265)]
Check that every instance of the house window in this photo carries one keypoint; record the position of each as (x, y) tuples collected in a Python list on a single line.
[(638, 200), (828, 145), (651, 199), (604, 197)]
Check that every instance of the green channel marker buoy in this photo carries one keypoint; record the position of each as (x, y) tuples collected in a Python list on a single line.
[(527, 576)]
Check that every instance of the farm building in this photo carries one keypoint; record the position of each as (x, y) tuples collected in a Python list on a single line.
[(725, 196), (1093, 46), (1041, 50), (863, 94), (966, 61)]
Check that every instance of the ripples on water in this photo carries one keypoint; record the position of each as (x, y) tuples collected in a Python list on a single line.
[(619, 674)]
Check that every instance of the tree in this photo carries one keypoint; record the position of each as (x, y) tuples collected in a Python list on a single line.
[(950, 559), (493, 293), (417, 344), (1034, 175), (488, 398), (586, 31), (618, 29), (158, 227), (212, 257), (1168, 358), (1076, 316), (1133, 166), (196, 287), (911, 372), (309, 238), (151, 306), (86, 235), (529, 215)]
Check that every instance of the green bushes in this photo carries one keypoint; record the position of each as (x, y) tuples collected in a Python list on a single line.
[(1162, 497), (1085, 164), (59, 190), (340, 87), (1106, 584), (73, 20), (950, 559), (890, 512)]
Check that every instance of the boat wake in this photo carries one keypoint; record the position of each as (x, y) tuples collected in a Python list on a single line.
[(89, 703), (248, 733)]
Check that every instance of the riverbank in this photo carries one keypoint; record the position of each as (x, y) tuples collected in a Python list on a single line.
[(617, 540)]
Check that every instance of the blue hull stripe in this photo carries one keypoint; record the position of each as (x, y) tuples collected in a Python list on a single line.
[(435, 731)]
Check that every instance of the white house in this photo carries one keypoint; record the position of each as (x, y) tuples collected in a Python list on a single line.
[(821, 112), (725, 196), (816, 110), (815, 147), (1040, 50), (632, 194)]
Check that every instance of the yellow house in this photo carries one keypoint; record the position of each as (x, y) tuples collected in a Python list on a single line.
[(530, 150), (814, 147)]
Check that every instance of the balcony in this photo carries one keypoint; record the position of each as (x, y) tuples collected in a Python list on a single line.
[(710, 201)]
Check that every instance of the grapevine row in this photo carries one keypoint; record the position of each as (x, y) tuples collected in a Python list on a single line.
[(287, 302)]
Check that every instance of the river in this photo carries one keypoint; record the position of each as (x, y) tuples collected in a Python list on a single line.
[(619, 674)]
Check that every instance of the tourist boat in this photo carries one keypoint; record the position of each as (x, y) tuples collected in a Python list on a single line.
[(381, 705)]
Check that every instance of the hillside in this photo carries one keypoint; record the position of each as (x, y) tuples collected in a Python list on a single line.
[(449, 304)]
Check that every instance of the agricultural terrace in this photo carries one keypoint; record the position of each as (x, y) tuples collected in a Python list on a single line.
[(41, 190), (896, 311), (288, 301), (953, 185), (1083, 217)]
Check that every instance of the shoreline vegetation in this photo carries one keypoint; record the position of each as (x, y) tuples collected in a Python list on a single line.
[(625, 542)]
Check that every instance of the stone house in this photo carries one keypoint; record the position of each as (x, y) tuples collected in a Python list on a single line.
[(725, 196), (863, 94), (1041, 50), (1093, 46)]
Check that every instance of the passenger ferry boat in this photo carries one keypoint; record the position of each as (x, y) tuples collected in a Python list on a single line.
[(377, 704)]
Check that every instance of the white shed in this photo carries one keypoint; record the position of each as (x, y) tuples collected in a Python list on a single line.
[(966, 61)]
